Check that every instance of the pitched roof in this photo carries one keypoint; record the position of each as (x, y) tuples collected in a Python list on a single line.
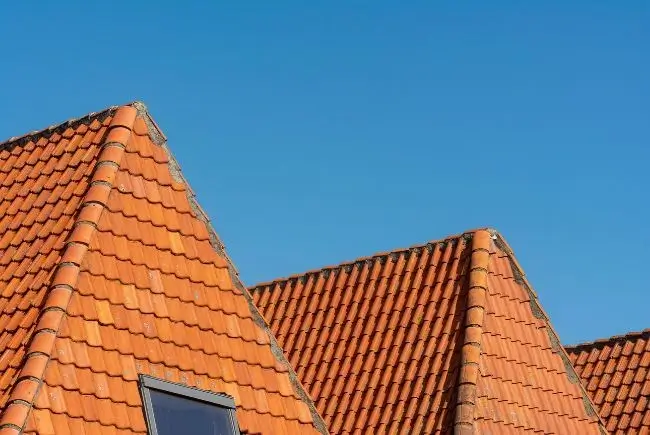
[(616, 373), (443, 337), (108, 269)]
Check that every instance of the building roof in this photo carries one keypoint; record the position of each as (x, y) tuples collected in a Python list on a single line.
[(110, 269), (439, 338), (616, 373)]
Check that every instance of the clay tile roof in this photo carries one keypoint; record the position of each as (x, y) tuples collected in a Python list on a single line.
[(616, 373), (109, 269), (446, 337)]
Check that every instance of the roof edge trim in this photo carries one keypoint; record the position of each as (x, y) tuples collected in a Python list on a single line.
[(520, 277), (467, 235), (24, 392), (601, 342), (155, 133)]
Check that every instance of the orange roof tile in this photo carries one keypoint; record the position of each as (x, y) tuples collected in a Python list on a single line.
[(616, 373), (109, 269), (439, 338)]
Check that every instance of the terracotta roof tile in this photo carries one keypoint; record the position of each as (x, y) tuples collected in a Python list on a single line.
[(108, 269), (439, 338), (616, 374)]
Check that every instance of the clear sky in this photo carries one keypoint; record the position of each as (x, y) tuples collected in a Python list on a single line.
[(318, 132)]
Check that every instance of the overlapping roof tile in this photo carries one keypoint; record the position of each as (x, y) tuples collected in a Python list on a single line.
[(109, 269), (616, 374), (446, 337)]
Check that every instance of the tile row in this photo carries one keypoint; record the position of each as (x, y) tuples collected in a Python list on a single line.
[(147, 298), (151, 346)]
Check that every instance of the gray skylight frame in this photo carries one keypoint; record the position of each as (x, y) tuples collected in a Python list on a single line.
[(148, 383)]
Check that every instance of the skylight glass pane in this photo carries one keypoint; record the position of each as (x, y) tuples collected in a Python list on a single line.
[(178, 415)]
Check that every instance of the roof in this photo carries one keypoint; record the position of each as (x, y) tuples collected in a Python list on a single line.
[(438, 338), (616, 373), (110, 269)]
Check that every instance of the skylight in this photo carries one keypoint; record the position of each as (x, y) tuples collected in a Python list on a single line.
[(172, 409)]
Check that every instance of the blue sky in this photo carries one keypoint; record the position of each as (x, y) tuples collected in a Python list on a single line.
[(318, 132)]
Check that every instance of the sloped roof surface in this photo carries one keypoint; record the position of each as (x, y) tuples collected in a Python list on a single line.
[(447, 337), (108, 269), (616, 373)]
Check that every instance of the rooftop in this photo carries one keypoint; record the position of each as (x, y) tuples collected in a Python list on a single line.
[(441, 337), (109, 269)]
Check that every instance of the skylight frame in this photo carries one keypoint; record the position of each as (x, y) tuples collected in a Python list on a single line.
[(148, 383)]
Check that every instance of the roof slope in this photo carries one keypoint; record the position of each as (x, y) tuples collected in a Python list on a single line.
[(616, 373), (108, 269), (439, 338)]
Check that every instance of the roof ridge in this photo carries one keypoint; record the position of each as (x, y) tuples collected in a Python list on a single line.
[(645, 333), (470, 353), (39, 350), (537, 311), (55, 128), (46, 132), (379, 255)]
